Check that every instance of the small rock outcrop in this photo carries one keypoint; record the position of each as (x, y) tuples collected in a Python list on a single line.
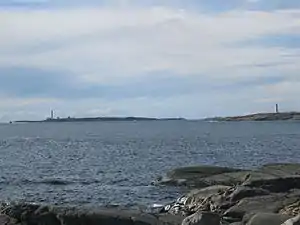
[(260, 117), (292, 209), (293, 221), (200, 218)]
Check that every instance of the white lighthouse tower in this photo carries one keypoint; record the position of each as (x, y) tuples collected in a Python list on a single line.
[(52, 115)]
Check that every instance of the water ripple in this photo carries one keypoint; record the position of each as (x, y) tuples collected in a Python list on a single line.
[(114, 163)]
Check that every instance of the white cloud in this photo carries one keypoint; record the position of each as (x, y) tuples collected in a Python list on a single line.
[(134, 41), (110, 45)]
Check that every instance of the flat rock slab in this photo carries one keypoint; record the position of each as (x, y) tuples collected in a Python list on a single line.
[(190, 176), (272, 177), (281, 169), (266, 204), (268, 219), (203, 171)]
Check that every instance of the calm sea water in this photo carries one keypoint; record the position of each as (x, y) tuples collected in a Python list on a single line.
[(114, 162)]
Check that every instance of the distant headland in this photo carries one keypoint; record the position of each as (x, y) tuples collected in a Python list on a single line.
[(260, 117), (275, 116)]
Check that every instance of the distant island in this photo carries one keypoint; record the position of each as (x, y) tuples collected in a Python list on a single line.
[(251, 117), (96, 119), (260, 117)]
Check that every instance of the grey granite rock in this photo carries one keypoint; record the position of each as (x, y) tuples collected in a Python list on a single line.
[(202, 218), (242, 192), (43, 215), (264, 204), (238, 195), (293, 221), (6, 220), (272, 177), (267, 219), (166, 219), (192, 176)]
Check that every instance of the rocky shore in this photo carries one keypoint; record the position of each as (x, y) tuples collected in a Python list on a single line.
[(269, 195), (218, 195)]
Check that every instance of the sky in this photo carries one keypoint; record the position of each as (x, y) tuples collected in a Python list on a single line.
[(158, 58)]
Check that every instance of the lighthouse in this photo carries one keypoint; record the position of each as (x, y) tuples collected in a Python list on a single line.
[(276, 108), (52, 115)]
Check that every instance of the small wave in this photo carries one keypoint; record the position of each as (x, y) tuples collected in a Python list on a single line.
[(157, 205), (212, 121)]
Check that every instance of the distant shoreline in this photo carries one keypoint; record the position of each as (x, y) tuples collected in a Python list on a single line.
[(259, 117), (284, 116), (97, 119)]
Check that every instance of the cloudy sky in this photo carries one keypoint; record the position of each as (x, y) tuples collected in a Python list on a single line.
[(159, 58)]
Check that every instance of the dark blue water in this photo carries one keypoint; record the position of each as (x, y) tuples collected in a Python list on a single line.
[(114, 162)]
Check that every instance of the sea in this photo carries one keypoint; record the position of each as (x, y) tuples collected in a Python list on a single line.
[(114, 163)]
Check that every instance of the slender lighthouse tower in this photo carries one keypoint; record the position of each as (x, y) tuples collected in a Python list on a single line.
[(276, 109), (52, 115)]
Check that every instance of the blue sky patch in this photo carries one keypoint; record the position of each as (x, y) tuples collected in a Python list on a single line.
[(274, 40), (203, 5)]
